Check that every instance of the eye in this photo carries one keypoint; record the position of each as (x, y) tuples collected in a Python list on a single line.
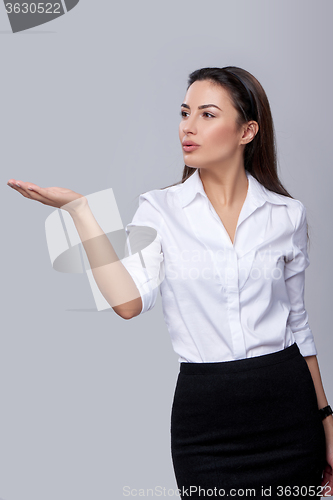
[(184, 113)]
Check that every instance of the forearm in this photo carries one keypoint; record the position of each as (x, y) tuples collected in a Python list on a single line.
[(112, 278), (321, 397)]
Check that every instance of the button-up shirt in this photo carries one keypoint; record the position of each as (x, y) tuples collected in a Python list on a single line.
[(224, 301)]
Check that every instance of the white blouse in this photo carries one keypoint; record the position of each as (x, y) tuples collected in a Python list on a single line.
[(224, 301)]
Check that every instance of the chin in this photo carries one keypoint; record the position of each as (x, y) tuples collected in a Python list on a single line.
[(189, 163)]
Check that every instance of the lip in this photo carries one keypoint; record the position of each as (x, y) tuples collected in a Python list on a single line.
[(190, 143), (191, 147)]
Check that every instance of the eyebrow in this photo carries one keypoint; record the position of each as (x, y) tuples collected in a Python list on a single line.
[(183, 105)]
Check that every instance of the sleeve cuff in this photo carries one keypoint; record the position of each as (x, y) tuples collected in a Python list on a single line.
[(305, 342), (141, 279)]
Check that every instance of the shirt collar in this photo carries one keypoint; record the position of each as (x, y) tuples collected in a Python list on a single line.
[(257, 193)]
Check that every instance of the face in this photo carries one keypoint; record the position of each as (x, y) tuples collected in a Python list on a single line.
[(214, 129)]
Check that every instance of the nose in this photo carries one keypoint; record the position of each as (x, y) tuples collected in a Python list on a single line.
[(188, 126)]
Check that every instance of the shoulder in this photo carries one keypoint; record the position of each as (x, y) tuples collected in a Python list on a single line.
[(295, 208), (161, 199), (296, 211), (154, 207)]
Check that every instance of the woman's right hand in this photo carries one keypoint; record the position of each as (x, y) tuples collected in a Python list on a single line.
[(53, 196)]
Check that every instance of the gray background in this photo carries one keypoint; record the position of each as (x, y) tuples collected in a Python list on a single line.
[(92, 101)]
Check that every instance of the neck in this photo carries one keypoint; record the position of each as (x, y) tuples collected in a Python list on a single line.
[(225, 188)]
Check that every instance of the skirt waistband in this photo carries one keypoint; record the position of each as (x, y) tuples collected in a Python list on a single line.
[(241, 364)]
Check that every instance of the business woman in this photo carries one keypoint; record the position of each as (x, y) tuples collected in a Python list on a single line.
[(249, 414)]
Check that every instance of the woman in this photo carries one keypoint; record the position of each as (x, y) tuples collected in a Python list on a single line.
[(249, 415)]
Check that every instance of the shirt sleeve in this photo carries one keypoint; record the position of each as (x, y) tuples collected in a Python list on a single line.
[(144, 258), (295, 283)]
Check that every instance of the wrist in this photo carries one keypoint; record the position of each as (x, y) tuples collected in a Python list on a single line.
[(327, 419), (328, 429), (325, 411), (77, 208)]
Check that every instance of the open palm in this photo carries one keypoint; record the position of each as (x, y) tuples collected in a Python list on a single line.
[(53, 196)]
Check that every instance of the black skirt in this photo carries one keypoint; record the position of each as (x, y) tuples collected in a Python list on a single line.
[(249, 424)]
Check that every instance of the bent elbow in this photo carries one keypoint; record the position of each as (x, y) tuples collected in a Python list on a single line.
[(129, 312)]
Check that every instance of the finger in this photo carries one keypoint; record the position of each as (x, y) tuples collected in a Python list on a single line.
[(37, 197), (17, 186), (13, 183), (44, 193), (16, 183), (23, 188)]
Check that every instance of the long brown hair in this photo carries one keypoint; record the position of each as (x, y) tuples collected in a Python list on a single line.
[(251, 102)]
